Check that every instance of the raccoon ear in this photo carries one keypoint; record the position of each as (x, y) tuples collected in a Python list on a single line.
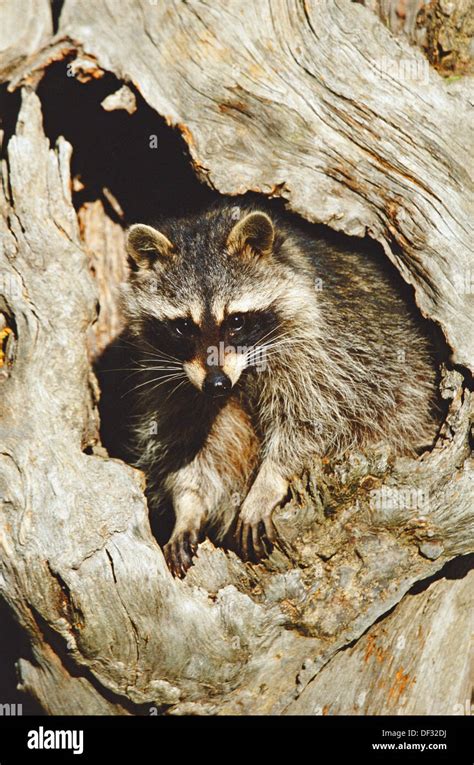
[(254, 233), (145, 245)]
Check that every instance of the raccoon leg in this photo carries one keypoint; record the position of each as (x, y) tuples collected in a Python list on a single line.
[(255, 519), (190, 514)]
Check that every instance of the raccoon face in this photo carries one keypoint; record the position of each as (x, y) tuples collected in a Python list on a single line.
[(205, 299)]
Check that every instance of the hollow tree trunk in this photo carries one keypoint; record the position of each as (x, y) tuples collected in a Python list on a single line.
[(294, 100)]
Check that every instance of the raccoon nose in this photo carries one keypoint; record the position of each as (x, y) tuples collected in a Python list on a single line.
[(216, 383)]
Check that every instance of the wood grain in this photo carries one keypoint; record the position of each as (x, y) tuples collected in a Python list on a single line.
[(294, 100)]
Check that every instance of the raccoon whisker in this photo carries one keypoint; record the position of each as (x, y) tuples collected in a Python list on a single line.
[(282, 364), (159, 380), (288, 338), (274, 329), (280, 360), (159, 353), (159, 364), (122, 343), (119, 369), (288, 342), (154, 351), (161, 368), (262, 350), (269, 339), (255, 354), (144, 360), (160, 356), (158, 385), (260, 347), (176, 387), (134, 370), (264, 354), (169, 375), (267, 349), (141, 370), (271, 342), (275, 351), (284, 361)]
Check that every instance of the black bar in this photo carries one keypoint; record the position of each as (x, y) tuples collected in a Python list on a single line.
[(142, 738)]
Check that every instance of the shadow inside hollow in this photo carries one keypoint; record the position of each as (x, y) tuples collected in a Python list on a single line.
[(457, 568), (116, 374), (13, 646)]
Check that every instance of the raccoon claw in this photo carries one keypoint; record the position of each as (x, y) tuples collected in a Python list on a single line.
[(255, 537), (180, 551)]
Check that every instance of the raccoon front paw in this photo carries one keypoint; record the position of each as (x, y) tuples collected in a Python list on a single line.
[(255, 533), (180, 551)]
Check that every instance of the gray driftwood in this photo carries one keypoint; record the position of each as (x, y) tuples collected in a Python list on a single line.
[(316, 103)]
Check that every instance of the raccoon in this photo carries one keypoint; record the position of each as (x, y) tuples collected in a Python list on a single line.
[(259, 347)]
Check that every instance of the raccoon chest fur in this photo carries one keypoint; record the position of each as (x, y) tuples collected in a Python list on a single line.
[(221, 471)]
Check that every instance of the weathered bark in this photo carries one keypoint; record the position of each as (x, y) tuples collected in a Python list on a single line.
[(263, 104), (401, 17), (26, 26), (443, 29), (450, 35), (104, 243), (402, 665)]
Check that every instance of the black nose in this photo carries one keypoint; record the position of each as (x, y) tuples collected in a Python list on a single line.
[(216, 383)]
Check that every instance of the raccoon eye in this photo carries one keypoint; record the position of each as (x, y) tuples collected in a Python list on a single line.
[(236, 322), (184, 327)]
